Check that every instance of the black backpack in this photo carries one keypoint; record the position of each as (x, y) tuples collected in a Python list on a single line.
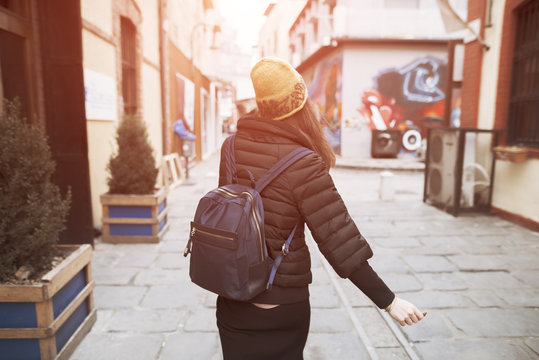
[(227, 243)]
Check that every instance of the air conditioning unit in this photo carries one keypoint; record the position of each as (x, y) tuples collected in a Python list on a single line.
[(454, 175), (385, 143), (442, 149)]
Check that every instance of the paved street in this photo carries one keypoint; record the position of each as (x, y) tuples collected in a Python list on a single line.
[(476, 275)]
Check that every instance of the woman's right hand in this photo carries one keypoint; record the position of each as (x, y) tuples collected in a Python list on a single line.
[(404, 312)]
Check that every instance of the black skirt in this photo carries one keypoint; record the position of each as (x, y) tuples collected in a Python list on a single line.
[(249, 332)]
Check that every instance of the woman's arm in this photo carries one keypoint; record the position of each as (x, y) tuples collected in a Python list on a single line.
[(324, 212), (368, 281), (338, 237)]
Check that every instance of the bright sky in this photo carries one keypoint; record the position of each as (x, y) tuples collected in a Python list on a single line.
[(247, 16)]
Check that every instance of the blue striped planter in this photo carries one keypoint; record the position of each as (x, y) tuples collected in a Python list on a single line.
[(134, 218), (49, 319)]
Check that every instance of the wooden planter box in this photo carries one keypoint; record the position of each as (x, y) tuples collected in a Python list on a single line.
[(511, 153), (48, 320), (134, 218)]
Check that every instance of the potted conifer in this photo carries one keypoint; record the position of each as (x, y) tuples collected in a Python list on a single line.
[(46, 301), (134, 211)]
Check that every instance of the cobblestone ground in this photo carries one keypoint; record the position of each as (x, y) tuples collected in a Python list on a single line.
[(476, 275)]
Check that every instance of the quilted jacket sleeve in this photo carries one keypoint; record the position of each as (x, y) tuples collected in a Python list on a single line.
[(324, 211)]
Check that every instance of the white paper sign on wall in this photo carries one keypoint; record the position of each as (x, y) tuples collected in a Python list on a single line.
[(100, 96)]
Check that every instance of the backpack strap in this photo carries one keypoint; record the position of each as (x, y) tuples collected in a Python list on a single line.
[(277, 262), (280, 166), (267, 178), (230, 159)]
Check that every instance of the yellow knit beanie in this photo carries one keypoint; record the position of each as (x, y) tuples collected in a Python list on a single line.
[(280, 90)]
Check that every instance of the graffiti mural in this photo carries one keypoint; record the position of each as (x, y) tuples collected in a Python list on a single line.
[(409, 99), (325, 91)]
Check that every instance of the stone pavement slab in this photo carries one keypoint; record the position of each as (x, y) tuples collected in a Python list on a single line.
[(485, 298), (104, 259), (377, 331), (393, 353), (527, 261), (114, 297), (432, 263), (520, 297), (119, 346), (355, 297), (146, 321), (330, 321), (322, 346), (202, 320), (173, 296), (489, 262), (320, 275), (389, 264), (402, 282), (441, 281), (159, 276), (496, 322), (190, 346), (490, 280), (136, 260), (169, 260), (172, 245), (113, 276), (323, 296), (434, 327), (438, 299), (395, 241), (533, 343), (471, 350), (529, 277)]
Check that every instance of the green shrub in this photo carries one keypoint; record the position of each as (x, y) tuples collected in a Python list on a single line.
[(32, 211), (132, 170)]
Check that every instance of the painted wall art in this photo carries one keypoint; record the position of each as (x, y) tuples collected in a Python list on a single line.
[(325, 91), (409, 98)]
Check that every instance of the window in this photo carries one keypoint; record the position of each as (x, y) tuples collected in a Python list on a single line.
[(13, 75), (523, 122), (129, 66), (14, 65)]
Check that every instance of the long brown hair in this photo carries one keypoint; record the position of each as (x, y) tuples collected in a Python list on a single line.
[(307, 122)]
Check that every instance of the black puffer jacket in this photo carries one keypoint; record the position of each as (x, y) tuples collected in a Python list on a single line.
[(303, 193)]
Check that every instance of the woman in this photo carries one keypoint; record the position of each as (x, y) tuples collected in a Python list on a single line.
[(275, 324)]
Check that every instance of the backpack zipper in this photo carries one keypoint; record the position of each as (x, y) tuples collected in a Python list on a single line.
[(228, 193), (211, 234)]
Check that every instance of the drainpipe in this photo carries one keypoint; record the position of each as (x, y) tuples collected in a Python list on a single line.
[(163, 69)]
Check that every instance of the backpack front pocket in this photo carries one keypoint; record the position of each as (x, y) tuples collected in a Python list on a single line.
[(215, 265), (213, 236)]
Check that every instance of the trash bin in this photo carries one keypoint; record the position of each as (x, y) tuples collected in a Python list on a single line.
[(386, 191)]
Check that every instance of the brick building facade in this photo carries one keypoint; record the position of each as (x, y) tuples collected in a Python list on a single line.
[(500, 90)]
